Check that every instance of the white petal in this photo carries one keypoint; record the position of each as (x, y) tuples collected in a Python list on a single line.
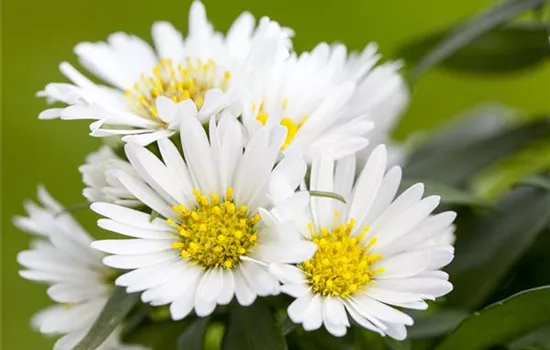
[(245, 295), (291, 252), (132, 246)]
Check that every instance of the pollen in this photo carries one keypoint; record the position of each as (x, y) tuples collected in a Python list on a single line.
[(343, 264), (178, 82), (290, 124), (215, 233)]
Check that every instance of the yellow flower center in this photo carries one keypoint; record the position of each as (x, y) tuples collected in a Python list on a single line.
[(342, 264), (177, 82), (291, 126), (215, 233)]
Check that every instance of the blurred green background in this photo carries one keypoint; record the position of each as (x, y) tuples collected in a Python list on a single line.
[(37, 36)]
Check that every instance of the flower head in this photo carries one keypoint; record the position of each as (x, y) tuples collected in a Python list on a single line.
[(61, 257), (222, 224), (99, 175), (327, 100), (374, 253), (207, 68)]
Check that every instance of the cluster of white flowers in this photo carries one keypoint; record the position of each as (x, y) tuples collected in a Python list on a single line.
[(225, 143)]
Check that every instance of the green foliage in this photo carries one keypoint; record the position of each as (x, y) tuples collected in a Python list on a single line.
[(470, 30), (434, 324), (493, 181), (192, 337), (116, 309), (489, 245), (253, 328), (501, 50), (502, 322), (455, 163)]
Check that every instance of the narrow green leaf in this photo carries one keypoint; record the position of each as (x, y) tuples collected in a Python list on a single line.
[(489, 245), (502, 322), (118, 306), (253, 328), (449, 195), (153, 216), (434, 324), (473, 28), (493, 181), (192, 337), (327, 195), (542, 182), (455, 163), (523, 45), (286, 325)]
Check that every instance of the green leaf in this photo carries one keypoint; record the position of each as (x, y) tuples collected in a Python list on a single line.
[(455, 162), (118, 306), (501, 176), (327, 195), (539, 339), (192, 337), (434, 324), (162, 335), (523, 45), (253, 328), (542, 182), (153, 216), (471, 29), (449, 195), (489, 245), (502, 322)]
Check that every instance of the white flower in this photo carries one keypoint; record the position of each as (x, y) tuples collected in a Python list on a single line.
[(223, 224), (206, 67), (62, 258), (99, 175), (371, 257), (326, 99)]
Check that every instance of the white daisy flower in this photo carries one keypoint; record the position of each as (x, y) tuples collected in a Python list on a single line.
[(206, 67), (325, 98), (223, 224), (62, 258), (99, 175), (371, 257)]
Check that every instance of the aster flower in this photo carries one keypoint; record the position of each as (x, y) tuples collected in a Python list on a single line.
[(206, 67), (326, 99), (62, 258), (99, 176), (213, 243), (375, 253)]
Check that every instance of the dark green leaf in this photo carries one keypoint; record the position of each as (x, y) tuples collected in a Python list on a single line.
[(157, 336), (434, 324), (536, 181), (286, 325), (539, 339), (502, 322), (490, 244), (253, 328), (523, 45), (449, 195), (455, 163), (118, 306), (192, 337), (473, 28), (493, 181)]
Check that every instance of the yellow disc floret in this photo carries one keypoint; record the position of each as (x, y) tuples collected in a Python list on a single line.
[(178, 82), (215, 233), (291, 126), (342, 264)]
